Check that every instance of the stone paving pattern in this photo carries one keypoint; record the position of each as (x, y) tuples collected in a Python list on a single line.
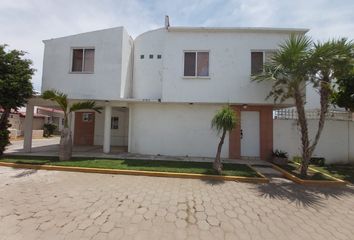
[(65, 205)]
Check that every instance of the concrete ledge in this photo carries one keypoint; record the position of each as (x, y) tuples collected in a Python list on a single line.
[(324, 183), (261, 179)]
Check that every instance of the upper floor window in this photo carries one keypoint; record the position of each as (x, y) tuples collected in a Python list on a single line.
[(83, 60), (196, 64), (258, 59), (256, 62)]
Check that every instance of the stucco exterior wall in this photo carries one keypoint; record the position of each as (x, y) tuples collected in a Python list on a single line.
[(119, 71), (119, 137), (17, 122), (37, 123), (148, 72), (174, 129), (336, 143), (108, 75), (229, 78), (127, 65), (229, 67)]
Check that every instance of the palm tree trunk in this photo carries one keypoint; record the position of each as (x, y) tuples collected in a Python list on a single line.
[(307, 149), (65, 148), (217, 165), (324, 99), (306, 155)]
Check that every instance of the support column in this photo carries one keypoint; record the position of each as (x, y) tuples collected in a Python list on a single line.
[(130, 128), (107, 129), (27, 143)]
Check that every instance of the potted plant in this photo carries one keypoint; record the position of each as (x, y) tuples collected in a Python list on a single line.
[(280, 157)]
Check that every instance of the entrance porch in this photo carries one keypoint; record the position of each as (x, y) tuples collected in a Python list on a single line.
[(107, 132)]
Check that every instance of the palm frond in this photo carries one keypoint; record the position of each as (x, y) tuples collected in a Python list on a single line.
[(60, 98), (88, 105), (287, 67), (225, 119)]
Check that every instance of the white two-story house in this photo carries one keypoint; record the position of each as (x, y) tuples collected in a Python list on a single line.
[(161, 90)]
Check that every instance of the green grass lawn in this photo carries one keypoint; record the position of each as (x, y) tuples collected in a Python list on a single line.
[(295, 170), (143, 165), (342, 171)]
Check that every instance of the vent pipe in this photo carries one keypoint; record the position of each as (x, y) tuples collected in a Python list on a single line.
[(167, 22)]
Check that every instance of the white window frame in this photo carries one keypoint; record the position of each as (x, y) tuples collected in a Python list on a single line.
[(83, 60), (196, 64)]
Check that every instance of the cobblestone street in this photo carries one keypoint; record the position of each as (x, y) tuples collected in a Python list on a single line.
[(64, 205)]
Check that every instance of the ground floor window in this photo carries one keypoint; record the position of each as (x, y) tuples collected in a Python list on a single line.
[(114, 123), (87, 117)]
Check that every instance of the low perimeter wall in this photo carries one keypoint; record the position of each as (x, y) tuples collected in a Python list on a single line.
[(336, 144)]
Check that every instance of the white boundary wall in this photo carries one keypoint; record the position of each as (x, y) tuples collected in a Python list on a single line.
[(336, 144)]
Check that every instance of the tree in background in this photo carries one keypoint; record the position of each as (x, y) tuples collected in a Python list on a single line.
[(65, 148), (224, 121), (344, 95), (298, 62), (15, 87)]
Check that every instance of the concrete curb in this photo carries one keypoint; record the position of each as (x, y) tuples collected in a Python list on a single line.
[(323, 183), (261, 179)]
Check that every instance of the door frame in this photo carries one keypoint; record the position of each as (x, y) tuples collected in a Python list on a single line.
[(265, 128)]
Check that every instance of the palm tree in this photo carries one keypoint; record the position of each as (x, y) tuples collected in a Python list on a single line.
[(224, 121), (65, 149), (299, 62)]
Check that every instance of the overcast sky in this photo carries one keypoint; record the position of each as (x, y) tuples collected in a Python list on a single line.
[(25, 23)]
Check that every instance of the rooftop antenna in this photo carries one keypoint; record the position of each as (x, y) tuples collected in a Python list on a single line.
[(167, 22)]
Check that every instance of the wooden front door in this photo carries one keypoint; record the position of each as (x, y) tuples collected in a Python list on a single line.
[(84, 128)]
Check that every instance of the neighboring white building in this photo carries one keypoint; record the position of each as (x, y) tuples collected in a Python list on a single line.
[(161, 90), (17, 118), (54, 116)]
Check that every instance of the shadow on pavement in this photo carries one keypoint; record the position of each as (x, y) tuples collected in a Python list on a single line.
[(25, 173), (213, 182), (302, 195)]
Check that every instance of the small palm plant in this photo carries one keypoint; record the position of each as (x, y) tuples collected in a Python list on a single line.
[(224, 121), (65, 149)]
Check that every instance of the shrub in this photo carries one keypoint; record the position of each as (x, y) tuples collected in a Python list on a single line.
[(49, 129), (297, 159), (4, 140), (280, 154), (319, 161)]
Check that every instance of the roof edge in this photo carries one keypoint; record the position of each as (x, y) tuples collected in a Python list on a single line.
[(82, 33), (238, 29)]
